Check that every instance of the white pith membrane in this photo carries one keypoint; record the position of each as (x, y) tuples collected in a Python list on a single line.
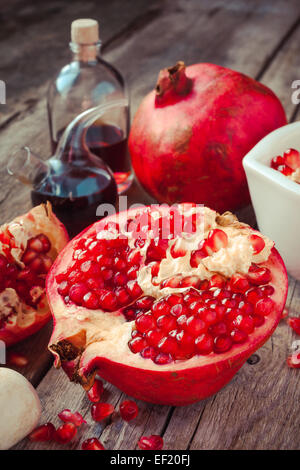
[(15, 314), (105, 334)]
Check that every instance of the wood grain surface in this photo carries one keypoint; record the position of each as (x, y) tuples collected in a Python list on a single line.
[(259, 409)]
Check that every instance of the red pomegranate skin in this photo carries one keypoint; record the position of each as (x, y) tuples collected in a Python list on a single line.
[(189, 136)]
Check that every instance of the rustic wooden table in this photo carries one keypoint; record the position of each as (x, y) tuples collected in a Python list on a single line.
[(259, 409)]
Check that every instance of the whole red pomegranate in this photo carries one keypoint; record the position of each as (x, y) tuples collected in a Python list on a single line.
[(165, 303), (190, 134), (28, 246)]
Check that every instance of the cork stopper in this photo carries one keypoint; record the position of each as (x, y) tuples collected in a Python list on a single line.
[(85, 31)]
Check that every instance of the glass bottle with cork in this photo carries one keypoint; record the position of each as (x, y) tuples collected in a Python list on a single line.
[(87, 82)]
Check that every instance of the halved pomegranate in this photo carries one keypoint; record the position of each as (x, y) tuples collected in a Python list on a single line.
[(164, 328), (28, 246)]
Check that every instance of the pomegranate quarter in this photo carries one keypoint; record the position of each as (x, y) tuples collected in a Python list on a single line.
[(166, 303), (28, 246)]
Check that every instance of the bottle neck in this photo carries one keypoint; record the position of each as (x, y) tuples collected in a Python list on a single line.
[(85, 52)]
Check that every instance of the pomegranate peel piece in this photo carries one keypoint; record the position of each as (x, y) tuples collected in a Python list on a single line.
[(140, 347)]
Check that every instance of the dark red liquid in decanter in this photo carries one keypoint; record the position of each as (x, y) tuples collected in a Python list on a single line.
[(109, 143), (75, 192)]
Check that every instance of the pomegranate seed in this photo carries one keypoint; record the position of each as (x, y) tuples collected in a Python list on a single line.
[(122, 295), (177, 310), (160, 308), (195, 326), (216, 240), (239, 283), (145, 302), (257, 243), (254, 295), (186, 345), (166, 323), (197, 256), (285, 170), (267, 290), (137, 344), (92, 444), (177, 252), (163, 358), (172, 282), (43, 433), (168, 345), (204, 344), (149, 353), (65, 433), (245, 324), (132, 273), (238, 336), (77, 292), (264, 307), (101, 411), (63, 288), (91, 301), (108, 301), (133, 289), (294, 323), (276, 161), (151, 442), (208, 315), (222, 344), (294, 360), (120, 279), (155, 269), (28, 256), (217, 281), (94, 394), (68, 417), (190, 281), (154, 336), (218, 329), (145, 322), (292, 158), (128, 410), (259, 275)]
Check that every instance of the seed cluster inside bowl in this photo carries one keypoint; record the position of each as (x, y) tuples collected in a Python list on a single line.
[(288, 164)]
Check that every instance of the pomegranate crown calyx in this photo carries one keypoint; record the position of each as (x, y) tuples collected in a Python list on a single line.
[(172, 82)]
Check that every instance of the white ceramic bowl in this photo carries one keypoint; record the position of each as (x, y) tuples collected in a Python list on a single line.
[(275, 198)]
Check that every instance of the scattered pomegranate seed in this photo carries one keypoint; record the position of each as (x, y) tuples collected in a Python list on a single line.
[(151, 442), (128, 410), (43, 433), (95, 393), (101, 411), (92, 444), (294, 323), (65, 433), (68, 417)]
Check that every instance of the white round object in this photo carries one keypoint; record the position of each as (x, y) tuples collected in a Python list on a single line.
[(20, 408)]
